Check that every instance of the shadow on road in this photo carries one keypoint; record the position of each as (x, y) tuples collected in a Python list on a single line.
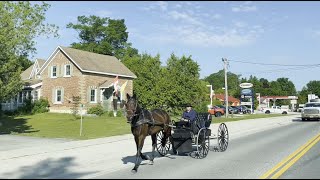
[(132, 159), (47, 169), (9, 124)]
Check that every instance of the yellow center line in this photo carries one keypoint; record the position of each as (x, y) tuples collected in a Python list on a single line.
[(287, 166), (281, 163)]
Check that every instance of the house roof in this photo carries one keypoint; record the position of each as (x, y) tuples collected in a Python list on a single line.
[(106, 84), (230, 98), (27, 74), (93, 62), (31, 82)]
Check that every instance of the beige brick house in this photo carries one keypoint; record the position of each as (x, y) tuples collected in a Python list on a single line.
[(70, 72)]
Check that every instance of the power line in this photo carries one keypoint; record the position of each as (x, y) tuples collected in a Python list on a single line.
[(266, 64), (279, 70)]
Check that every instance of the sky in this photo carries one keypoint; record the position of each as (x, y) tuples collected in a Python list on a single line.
[(252, 35)]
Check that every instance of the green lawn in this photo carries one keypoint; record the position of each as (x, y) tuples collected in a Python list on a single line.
[(55, 125)]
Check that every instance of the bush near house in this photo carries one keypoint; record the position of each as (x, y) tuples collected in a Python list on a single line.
[(40, 106), (98, 110)]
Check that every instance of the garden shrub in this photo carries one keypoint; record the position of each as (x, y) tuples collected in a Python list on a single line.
[(98, 110)]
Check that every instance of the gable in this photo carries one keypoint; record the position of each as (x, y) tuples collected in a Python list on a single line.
[(26, 73)]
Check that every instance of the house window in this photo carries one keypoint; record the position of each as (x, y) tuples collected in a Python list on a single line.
[(93, 93), (35, 96), (58, 95), (54, 71), (67, 71)]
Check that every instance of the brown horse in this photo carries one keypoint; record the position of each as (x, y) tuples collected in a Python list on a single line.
[(144, 123)]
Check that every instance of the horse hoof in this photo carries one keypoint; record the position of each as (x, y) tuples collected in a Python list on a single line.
[(151, 163), (134, 171)]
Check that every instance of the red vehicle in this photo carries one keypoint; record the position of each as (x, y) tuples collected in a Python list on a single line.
[(216, 111)]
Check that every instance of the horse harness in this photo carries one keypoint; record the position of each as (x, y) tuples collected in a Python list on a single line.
[(145, 117)]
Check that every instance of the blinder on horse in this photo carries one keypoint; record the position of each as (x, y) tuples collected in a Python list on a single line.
[(131, 109)]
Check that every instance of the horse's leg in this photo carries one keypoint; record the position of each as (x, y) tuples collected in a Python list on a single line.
[(144, 157), (139, 154), (136, 139), (154, 143)]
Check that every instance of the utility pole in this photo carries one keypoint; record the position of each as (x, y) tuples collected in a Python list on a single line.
[(211, 93), (225, 61)]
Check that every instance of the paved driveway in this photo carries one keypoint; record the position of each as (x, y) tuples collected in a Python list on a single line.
[(11, 142)]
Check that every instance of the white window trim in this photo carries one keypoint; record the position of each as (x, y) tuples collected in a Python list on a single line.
[(52, 72), (65, 70), (56, 97), (95, 96)]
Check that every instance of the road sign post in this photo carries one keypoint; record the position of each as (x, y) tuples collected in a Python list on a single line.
[(81, 106)]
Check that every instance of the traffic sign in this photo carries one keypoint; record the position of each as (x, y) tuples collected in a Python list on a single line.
[(246, 85)]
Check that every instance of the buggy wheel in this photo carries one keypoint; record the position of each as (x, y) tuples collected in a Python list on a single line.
[(223, 137), (203, 143), (163, 145)]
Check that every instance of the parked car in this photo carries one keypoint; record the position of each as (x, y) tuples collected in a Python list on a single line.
[(233, 110), (244, 109), (216, 111)]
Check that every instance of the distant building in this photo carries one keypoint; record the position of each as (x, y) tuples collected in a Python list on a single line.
[(232, 100)]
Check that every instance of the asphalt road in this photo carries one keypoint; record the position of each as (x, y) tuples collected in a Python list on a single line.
[(11, 142), (246, 157)]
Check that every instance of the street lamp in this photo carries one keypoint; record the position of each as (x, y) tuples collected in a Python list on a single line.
[(211, 93)]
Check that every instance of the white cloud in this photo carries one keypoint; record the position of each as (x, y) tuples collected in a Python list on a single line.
[(182, 16), (203, 37), (245, 7), (216, 16), (240, 24), (189, 26), (104, 13), (178, 5), (162, 5)]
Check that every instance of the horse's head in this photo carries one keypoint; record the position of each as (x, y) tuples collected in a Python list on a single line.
[(132, 108)]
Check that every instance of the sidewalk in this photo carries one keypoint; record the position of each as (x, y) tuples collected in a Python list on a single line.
[(89, 158)]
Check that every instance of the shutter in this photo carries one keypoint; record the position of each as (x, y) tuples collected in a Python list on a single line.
[(62, 70), (88, 94), (98, 95), (62, 95), (71, 68), (53, 95)]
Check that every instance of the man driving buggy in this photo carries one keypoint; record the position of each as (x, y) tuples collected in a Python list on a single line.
[(188, 116)]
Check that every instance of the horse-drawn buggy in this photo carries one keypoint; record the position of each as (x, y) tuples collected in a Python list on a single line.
[(167, 134), (194, 138)]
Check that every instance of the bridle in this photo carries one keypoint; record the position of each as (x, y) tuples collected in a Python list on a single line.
[(133, 112)]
